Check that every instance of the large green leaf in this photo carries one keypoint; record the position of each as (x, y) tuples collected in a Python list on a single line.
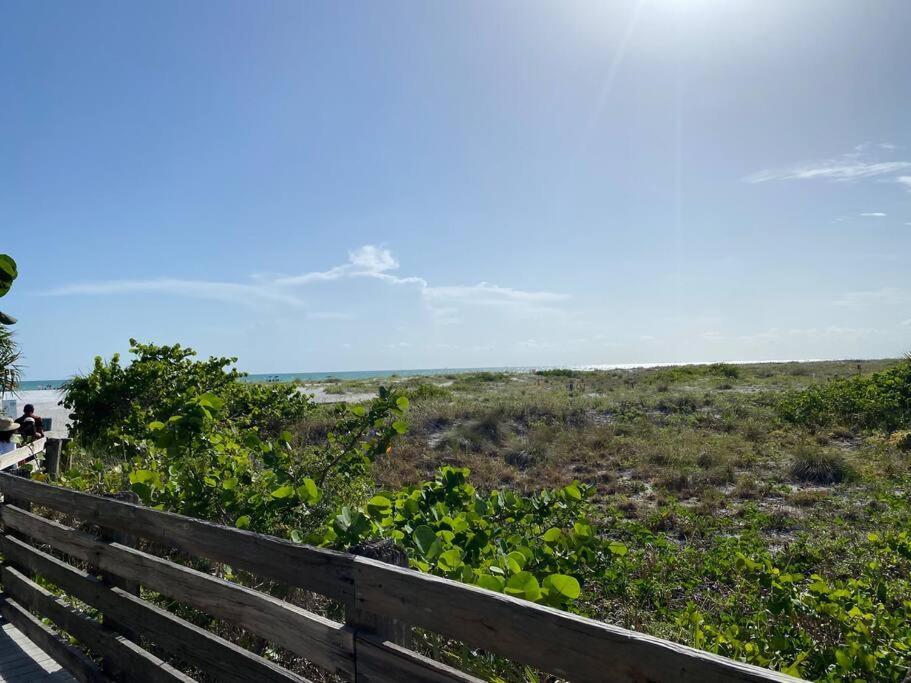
[(379, 506), (308, 492), (282, 491), (567, 586), (491, 583), (450, 560), (524, 585), (424, 538), (8, 273)]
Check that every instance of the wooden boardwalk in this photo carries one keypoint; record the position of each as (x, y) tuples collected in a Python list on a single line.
[(22, 661)]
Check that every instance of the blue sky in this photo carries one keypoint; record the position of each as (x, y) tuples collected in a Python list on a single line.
[(332, 186)]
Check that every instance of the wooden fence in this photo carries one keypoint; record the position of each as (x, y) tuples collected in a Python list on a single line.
[(376, 597), (24, 453)]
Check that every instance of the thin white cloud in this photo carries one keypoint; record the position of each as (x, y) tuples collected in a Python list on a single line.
[(857, 165), (876, 297), (809, 333), (366, 261), (445, 303), (228, 292), (330, 315), (873, 214), (904, 180), (485, 294), (832, 169)]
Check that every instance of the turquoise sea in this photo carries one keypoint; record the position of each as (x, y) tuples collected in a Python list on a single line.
[(312, 376)]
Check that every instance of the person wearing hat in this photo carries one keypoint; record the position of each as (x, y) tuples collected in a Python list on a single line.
[(8, 427)]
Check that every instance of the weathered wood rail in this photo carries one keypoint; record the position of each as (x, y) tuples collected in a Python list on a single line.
[(23, 453), (134, 637)]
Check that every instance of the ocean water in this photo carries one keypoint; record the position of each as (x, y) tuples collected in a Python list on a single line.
[(430, 372), (30, 385)]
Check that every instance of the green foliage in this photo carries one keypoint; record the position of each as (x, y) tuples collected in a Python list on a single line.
[(113, 405), (539, 547), (198, 463), (9, 351), (684, 373), (8, 273), (558, 372), (820, 466), (881, 400), (811, 582), (856, 628), (423, 391)]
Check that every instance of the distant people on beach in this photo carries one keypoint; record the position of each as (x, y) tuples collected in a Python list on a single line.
[(8, 427), (30, 425)]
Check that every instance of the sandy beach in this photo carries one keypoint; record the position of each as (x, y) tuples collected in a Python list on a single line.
[(46, 402)]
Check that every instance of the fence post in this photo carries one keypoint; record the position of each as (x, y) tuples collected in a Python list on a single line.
[(22, 504), (52, 449), (114, 536), (384, 627), (66, 455)]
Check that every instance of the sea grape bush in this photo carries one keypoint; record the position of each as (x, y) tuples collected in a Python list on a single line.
[(855, 628), (535, 547), (881, 400), (198, 463), (114, 404)]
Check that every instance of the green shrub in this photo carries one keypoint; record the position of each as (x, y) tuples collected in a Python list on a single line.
[(725, 370), (199, 463), (881, 400), (540, 547), (423, 391), (114, 404), (558, 372)]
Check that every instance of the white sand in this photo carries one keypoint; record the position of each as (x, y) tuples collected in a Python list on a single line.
[(45, 402)]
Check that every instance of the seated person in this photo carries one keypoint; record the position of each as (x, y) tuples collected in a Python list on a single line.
[(8, 427), (30, 425)]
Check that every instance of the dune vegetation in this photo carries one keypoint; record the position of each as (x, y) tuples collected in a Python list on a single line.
[(757, 511)]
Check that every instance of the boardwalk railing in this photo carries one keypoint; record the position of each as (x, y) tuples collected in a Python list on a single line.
[(23, 453), (103, 572)]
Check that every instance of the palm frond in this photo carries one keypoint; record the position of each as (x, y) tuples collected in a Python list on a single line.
[(10, 373)]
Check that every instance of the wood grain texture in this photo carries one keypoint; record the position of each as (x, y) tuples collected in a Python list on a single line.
[(22, 453), (380, 661), (314, 569), (322, 641), (70, 658), (193, 645), (125, 660), (560, 643)]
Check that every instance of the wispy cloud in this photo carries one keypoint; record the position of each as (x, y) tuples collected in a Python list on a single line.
[(250, 295), (775, 334), (904, 180), (876, 297), (445, 302), (832, 169), (857, 165), (873, 214)]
